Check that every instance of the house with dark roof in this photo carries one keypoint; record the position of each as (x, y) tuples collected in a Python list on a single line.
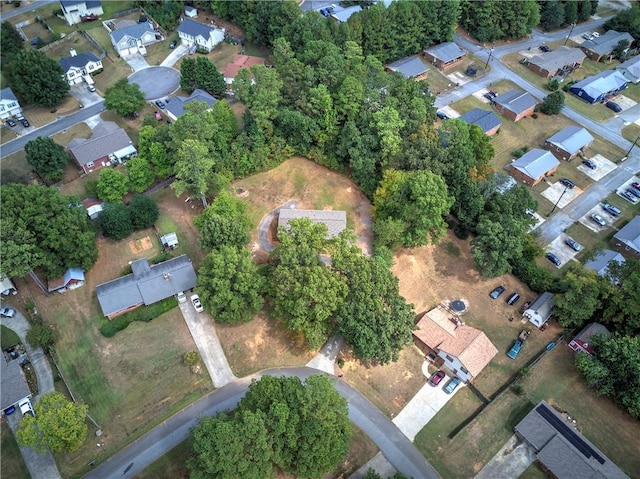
[(445, 55), (147, 284), (198, 35), (108, 143), (562, 451), (630, 69), (410, 67), (342, 14), (73, 278), (569, 142), (600, 87), (540, 310), (74, 10), (79, 65), (627, 239), (488, 121), (532, 167), (13, 385), (9, 105), (336, 221), (600, 263), (464, 350), (134, 39), (515, 104), (563, 58), (239, 62), (175, 107), (602, 46), (581, 343)]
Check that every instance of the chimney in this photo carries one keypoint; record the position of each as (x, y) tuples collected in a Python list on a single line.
[(73, 52)]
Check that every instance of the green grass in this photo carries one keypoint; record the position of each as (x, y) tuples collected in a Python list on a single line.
[(11, 463), (631, 132), (8, 337), (534, 471), (15, 169)]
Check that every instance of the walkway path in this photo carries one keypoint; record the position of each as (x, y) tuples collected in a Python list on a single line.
[(326, 358)]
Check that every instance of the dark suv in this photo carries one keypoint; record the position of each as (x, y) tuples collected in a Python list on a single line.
[(567, 182), (553, 258)]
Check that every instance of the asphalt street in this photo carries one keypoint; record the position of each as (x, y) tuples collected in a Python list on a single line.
[(27, 7), (156, 82)]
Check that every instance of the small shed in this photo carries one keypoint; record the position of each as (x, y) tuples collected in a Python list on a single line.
[(73, 278), (7, 287), (169, 241), (191, 12)]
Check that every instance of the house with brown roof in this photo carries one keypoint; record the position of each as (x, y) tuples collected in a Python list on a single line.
[(239, 62), (464, 350), (336, 221), (515, 104), (549, 64), (108, 143), (445, 55), (581, 343), (627, 239)]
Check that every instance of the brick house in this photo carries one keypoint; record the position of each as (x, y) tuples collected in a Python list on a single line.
[(627, 239), (445, 55), (488, 121), (532, 167), (410, 67), (515, 104), (602, 46), (569, 142), (549, 64), (108, 143)]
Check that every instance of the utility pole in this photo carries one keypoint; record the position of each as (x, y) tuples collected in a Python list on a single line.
[(489, 59), (570, 32), (634, 144), (556, 205)]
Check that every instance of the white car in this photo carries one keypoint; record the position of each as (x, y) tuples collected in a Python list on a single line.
[(181, 297), (595, 34), (195, 300), (25, 408)]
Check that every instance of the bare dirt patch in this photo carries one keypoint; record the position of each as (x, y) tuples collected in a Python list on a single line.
[(139, 245)]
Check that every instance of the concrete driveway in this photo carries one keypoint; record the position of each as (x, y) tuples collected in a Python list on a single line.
[(80, 92), (603, 167), (561, 249), (510, 461), (557, 191), (326, 357), (136, 61), (176, 54), (156, 82)]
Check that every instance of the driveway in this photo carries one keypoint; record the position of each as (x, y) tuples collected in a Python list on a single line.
[(176, 54), (136, 61), (156, 82), (326, 357), (511, 461), (265, 224), (204, 335), (80, 92)]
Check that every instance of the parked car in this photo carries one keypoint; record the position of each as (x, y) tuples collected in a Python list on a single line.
[(587, 36), (195, 300), (489, 97), (589, 164), (173, 44), (7, 312), (10, 410), (598, 219), (158, 116), (496, 292), (437, 377), (25, 123), (612, 210), (612, 105), (636, 186), (91, 88), (11, 123), (513, 299), (629, 195), (633, 192), (515, 349), (181, 297), (595, 34), (568, 183), (160, 103), (544, 48), (442, 115), (451, 385), (553, 258), (26, 408), (573, 244)]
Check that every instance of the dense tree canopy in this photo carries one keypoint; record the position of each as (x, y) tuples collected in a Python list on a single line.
[(622, 309), (140, 174), (201, 74), (116, 221), (224, 222), (10, 40), (582, 297), (43, 229), (124, 97), (494, 20), (143, 212), (552, 104), (626, 21), (47, 157), (112, 185)]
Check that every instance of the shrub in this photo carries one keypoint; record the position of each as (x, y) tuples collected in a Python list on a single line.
[(553, 103), (143, 313), (191, 358), (461, 231), (534, 116), (553, 85)]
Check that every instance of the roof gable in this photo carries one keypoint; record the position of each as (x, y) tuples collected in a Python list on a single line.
[(78, 61), (106, 138), (342, 14), (177, 103), (486, 120), (336, 221), (409, 67), (607, 42), (603, 82), (631, 68), (600, 263), (515, 100), (555, 59), (629, 234), (446, 52), (535, 163), (239, 62), (14, 386), (7, 94), (136, 31), (571, 139), (195, 29)]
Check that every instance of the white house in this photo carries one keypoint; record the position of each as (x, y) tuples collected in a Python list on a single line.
[(195, 34), (78, 66), (74, 10), (133, 39), (9, 105), (540, 310), (631, 69)]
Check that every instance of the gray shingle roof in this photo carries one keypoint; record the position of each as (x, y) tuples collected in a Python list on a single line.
[(134, 31), (336, 221), (553, 60), (177, 104), (571, 139), (486, 120), (89, 3), (78, 61), (342, 14), (600, 264), (629, 234), (603, 82), (13, 387), (147, 284), (516, 100), (591, 330), (410, 67), (106, 138), (195, 29), (536, 162), (565, 452), (7, 94), (607, 42), (631, 69), (446, 52)]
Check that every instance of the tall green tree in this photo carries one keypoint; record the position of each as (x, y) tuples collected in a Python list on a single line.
[(10, 40), (124, 98), (140, 174), (582, 297), (47, 157), (112, 185), (224, 222), (58, 424), (622, 309), (552, 14), (36, 78), (552, 104), (188, 74), (194, 167), (208, 78), (143, 212), (626, 21), (115, 221)]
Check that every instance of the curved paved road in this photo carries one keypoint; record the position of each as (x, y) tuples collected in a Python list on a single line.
[(156, 82), (398, 450), (265, 223)]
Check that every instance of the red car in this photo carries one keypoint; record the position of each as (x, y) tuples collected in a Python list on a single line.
[(158, 116), (437, 377)]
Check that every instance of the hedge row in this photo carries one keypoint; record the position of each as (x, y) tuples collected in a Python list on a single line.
[(143, 313)]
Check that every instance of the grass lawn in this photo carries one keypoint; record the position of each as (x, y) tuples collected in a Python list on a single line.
[(36, 30), (11, 463), (534, 471), (114, 69), (78, 42), (7, 134), (631, 132), (15, 169), (8, 337), (40, 116)]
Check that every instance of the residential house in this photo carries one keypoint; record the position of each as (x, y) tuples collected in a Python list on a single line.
[(74, 10), (175, 107), (134, 39), (488, 121), (169, 241), (78, 66), (336, 221), (191, 12), (561, 450), (515, 104), (445, 55), (602, 46), (9, 105), (540, 310), (239, 62), (631, 69), (410, 68), (627, 239), (581, 341), (464, 350), (600, 263), (147, 285), (13, 385), (532, 167), (108, 143), (7, 287), (198, 35), (600, 87), (342, 14), (569, 142), (73, 278), (550, 64)]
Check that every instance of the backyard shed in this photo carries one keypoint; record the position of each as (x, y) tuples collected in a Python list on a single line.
[(169, 241)]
